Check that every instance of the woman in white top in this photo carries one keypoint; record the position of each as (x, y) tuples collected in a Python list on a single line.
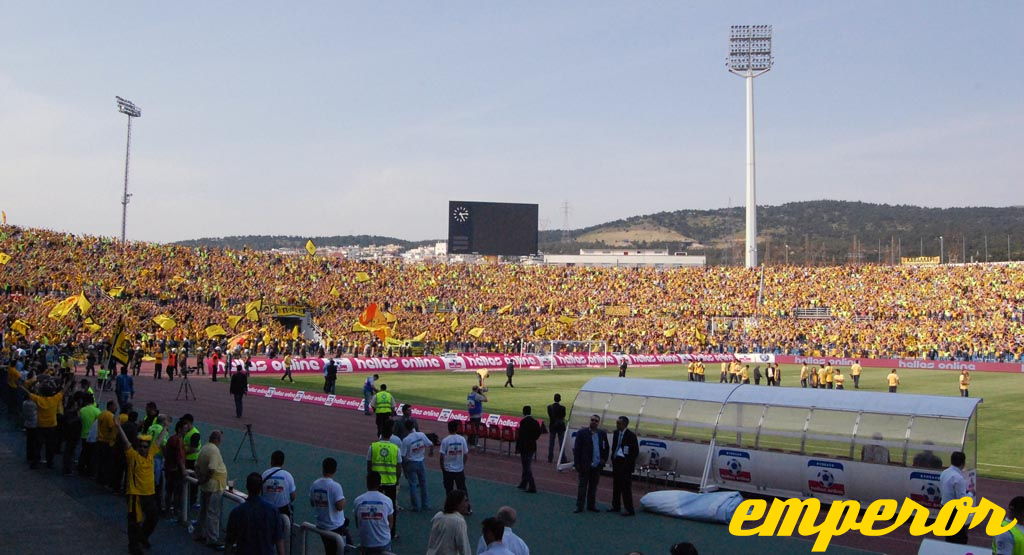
[(448, 533)]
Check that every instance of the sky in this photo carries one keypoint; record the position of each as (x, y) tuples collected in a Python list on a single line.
[(341, 118)]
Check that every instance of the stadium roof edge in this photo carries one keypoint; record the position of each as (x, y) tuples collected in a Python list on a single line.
[(847, 400)]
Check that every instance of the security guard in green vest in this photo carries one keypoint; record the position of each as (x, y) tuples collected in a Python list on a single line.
[(193, 443), (103, 378), (383, 407), (385, 458), (1011, 542)]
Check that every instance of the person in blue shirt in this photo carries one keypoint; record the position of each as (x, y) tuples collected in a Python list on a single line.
[(254, 527), (124, 386)]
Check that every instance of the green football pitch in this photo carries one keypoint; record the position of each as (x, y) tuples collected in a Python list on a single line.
[(1000, 423)]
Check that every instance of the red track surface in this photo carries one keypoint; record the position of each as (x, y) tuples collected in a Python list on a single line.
[(352, 432)]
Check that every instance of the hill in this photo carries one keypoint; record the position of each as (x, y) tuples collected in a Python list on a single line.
[(813, 232), (268, 242), (816, 232)]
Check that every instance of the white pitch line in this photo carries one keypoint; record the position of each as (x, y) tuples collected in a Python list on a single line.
[(1000, 466)]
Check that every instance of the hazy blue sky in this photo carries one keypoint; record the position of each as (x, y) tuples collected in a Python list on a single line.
[(338, 118)]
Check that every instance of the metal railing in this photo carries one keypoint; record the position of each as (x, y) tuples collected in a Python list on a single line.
[(238, 498), (307, 527)]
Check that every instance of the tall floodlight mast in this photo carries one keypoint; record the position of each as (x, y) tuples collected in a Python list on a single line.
[(129, 109), (750, 55)]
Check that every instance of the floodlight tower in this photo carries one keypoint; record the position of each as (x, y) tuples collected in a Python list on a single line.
[(129, 109), (750, 55)]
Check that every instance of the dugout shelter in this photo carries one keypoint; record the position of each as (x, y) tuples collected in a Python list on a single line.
[(785, 441)]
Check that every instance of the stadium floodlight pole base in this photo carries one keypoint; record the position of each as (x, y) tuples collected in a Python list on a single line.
[(186, 389), (252, 443)]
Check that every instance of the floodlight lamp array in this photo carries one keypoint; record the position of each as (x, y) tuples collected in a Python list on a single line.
[(750, 48), (128, 107)]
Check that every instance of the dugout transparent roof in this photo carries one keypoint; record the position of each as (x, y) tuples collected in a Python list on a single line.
[(875, 427)]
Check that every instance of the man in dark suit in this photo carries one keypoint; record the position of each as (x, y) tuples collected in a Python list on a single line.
[(590, 451), (556, 426), (510, 370), (239, 387), (625, 449), (526, 442)]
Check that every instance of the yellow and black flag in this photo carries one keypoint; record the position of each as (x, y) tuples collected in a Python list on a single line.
[(119, 349)]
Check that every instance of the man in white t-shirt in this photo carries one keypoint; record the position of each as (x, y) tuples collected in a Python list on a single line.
[(493, 535), (328, 502), (454, 453), (415, 447), (374, 514), (278, 485), (507, 516)]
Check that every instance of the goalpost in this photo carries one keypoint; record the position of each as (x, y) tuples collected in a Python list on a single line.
[(548, 347)]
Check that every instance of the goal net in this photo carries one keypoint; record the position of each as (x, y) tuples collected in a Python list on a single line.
[(595, 351)]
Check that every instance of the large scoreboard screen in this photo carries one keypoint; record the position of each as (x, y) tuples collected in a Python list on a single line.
[(492, 228)]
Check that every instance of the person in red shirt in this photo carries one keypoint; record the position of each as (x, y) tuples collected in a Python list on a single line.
[(174, 466)]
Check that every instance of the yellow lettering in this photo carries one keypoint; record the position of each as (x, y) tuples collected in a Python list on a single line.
[(996, 515), (748, 511), (841, 517), (784, 515), (879, 510), (951, 518), (919, 526), (799, 515)]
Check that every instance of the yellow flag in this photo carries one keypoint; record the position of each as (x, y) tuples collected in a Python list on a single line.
[(540, 332), (335, 293), (215, 330), (120, 346), (455, 323), (310, 247), (701, 336), (62, 308), (419, 337), (476, 332), (165, 322), (362, 277), (83, 304), (295, 332), (93, 327), (389, 317), (671, 332), (116, 292), (254, 305), (21, 327), (504, 309), (392, 342), (4, 258), (567, 320), (233, 321)]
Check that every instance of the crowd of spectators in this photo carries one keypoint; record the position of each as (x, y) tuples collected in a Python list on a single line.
[(962, 311)]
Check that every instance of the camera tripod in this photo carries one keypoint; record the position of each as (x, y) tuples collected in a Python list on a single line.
[(252, 444), (185, 388)]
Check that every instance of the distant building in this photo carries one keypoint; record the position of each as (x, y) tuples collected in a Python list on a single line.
[(659, 258)]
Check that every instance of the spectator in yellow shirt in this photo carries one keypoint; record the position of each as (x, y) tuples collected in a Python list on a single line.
[(213, 478), (855, 372), (143, 508), (965, 382)]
